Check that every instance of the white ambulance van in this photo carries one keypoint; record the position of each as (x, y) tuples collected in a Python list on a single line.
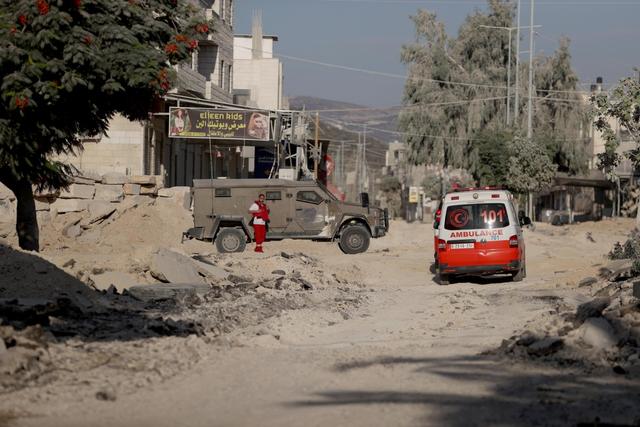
[(479, 233)]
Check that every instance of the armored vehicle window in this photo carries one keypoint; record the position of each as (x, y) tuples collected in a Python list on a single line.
[(223, 192), (273, 195), (309, 197)]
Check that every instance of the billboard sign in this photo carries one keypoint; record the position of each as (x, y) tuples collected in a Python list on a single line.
[(205, 123)]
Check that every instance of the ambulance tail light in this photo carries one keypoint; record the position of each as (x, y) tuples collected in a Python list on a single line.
[(438, 215), (442, 245), (513, 241)]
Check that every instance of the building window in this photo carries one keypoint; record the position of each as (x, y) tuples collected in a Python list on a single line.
[(221, 74), (222, 9), (229, 78), (230, 13)]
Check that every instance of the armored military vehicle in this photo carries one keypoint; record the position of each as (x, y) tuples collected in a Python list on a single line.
[(299, 210)]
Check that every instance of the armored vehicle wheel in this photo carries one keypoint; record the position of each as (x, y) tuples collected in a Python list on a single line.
[(230, 240), (354, 239)]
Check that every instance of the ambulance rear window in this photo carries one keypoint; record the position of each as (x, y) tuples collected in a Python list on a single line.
[(473, 217)]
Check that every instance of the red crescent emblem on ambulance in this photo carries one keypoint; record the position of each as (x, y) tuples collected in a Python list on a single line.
[(459, 218)]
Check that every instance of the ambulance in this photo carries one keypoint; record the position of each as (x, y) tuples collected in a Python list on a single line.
[(478, 232)]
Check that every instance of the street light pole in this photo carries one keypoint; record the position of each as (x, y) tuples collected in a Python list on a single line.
[(517, 100), (530, 101), (509, 82)]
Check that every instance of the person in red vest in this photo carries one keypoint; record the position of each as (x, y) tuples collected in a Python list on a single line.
[(260, 213)]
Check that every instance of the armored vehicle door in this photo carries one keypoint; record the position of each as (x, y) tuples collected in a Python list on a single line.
[(310, 213), (280, 207)]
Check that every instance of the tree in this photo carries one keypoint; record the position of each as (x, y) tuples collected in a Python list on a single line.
[(492, 151), (67, 67), (440, 134), (530, 169), (622, 105), (465, 77)]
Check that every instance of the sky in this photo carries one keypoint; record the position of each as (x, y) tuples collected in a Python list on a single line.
[(369, 34)]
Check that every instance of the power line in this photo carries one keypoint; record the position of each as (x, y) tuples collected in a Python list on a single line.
[(481, 2)]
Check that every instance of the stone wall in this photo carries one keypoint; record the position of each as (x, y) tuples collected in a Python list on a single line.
[(95, 196)]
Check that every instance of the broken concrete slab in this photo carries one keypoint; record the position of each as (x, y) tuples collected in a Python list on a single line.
[(617, 269), (131, 189), (591, 309), (102, 282), (42, 206), (545, 346), (597, 333), (143, 179), (180, 195), (98, 211), (109, 193), (69, 205), (148, 190), (78, 191), (587, 281), (5, 193), (211, 271), (168, 291), (88, 177), (114, 178), (173, 267)]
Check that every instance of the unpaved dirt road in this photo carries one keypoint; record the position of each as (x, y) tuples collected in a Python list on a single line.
[(410, 356)]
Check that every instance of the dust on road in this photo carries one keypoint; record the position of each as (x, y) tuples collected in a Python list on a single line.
[(375, 341)]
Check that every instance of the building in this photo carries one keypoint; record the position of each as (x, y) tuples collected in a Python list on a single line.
[(258, 76), (135, 148)]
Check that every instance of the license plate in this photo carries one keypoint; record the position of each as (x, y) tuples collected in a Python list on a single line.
[(462, 246)]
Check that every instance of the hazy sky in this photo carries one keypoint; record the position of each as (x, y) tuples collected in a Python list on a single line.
[(368, 34)]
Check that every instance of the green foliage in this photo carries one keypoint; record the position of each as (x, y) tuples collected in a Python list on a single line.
[(68, 66), (390, 184), (457, 132), (432, 182), (492, 150), (530, 169), (623, 106), (432, 185)]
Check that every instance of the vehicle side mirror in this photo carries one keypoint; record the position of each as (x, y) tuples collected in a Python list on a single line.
[(525, 220), (364, 198)]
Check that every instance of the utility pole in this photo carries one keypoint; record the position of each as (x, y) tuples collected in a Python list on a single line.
[(365, 183), (517, 100), (316, 154), (530, 101)]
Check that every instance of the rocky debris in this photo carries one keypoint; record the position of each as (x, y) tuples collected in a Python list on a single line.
[(103, 282), (78, 191), (172, 267), (114, 178), (636, 289), (234, 278), (143, 179), (87, 177), (210, 271), (5, 193), (180, 195), (168, 291), (69, 205), (545, 346), (597, 333), (109, 193), (131, 189), (589, 237), (72, 229), (106, 395), (615, 270), (590, 309), (99, 211), (587, 281), (279, 272)]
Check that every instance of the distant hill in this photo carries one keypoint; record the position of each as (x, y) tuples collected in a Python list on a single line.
[(341, 129), (380, 123)]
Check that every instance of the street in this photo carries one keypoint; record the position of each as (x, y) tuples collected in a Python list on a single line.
[(411, 354)]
